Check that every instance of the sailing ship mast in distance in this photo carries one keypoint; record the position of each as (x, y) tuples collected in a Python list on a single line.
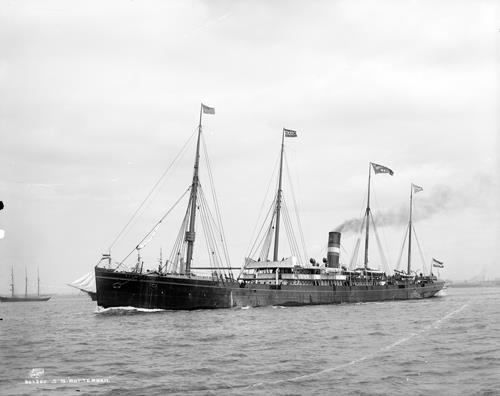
[(26, 297), (12, 281)]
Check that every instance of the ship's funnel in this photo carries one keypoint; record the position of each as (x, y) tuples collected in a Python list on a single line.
[(333, 249)]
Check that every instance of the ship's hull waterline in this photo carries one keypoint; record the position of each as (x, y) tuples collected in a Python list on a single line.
[(177, 292)]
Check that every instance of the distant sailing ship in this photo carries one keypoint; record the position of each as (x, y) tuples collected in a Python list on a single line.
[(86, 284), (262, 281), (26, 297)]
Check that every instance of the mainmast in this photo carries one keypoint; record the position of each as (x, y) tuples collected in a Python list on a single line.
[(367, 215), (409, 229), (190, 233), (278, 202)]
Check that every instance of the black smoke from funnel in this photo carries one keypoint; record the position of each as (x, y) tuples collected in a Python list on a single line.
[(440, 198)]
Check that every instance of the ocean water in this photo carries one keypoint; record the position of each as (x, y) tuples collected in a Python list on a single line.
[(448, 345)]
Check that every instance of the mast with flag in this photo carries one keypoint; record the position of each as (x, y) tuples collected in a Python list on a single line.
[(377, 169), (413, 190), (190, 233), (286, 133)]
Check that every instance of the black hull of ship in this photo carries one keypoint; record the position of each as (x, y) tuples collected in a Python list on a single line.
[(177, 292), (24, 299)]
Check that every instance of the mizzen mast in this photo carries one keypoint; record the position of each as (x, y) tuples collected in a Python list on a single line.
[(413, 190), (409, 231)]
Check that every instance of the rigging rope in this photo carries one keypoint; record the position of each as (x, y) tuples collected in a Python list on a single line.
[(250, 250), (292, 241), (151, 192), (258, 242), (210, 226), (155, 227), (355, 253), (301, 234), (172, 265), (383, 238), (382, 255), (216, 202), (402, 247), (424, 268)]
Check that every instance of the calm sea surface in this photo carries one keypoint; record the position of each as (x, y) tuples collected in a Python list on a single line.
[(447, 345)]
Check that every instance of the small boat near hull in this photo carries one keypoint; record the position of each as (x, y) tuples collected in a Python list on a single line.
[(174, 292)]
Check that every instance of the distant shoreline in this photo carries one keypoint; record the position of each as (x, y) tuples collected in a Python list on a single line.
[(493, 283)]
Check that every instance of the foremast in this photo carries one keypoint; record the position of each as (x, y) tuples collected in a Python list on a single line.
[(190, 233)]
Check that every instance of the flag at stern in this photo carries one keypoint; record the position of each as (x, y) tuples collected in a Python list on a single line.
[(437, 264)]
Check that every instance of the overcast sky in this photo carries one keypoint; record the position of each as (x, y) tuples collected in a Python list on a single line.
[(98, 97)]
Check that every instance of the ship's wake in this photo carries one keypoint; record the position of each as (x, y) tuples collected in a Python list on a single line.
[(403, 340), (125, 311)]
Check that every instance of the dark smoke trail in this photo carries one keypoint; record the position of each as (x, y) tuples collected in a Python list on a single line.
[(441, 197)]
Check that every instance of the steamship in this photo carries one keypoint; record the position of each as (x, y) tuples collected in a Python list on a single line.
[(264, 280)]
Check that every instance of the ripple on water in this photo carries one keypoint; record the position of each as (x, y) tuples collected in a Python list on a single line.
[(435, 346)]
